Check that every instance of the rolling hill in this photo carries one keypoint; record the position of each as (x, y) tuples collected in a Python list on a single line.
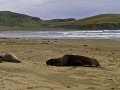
[(12, 20), (98, 22)]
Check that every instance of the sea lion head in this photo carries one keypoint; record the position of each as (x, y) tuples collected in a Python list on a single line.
[(53, 62)]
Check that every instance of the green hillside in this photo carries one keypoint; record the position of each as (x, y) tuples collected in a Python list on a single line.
[(10, 20), (103, 21), (15, 21)]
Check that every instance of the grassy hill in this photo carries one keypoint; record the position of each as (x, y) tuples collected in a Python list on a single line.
[(15, 21), (11, 20), (103, 21)]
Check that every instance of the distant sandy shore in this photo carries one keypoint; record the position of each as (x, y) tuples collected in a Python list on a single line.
[(34, 74)]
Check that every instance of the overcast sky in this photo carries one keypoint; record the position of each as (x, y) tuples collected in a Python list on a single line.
[(49, 9)]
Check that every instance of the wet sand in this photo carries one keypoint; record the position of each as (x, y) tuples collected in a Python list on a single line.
[(34, 74)]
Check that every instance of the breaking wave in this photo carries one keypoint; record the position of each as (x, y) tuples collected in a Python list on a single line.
[(101, 34)]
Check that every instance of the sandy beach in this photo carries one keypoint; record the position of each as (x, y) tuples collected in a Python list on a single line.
[(33, 73)]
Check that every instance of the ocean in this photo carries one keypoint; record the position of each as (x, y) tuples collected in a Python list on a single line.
[(101, 34)]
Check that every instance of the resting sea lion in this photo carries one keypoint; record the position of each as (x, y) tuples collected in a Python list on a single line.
[(74, 60), (9, 58)]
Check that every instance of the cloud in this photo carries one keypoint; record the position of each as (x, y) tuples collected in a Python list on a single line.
[(48, 9)]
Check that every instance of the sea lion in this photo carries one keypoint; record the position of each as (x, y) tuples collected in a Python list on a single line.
[(9, 58), (0, 61), (74, 60)]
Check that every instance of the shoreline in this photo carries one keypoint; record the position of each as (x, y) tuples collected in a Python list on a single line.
[(103, 34), (64, 38)]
